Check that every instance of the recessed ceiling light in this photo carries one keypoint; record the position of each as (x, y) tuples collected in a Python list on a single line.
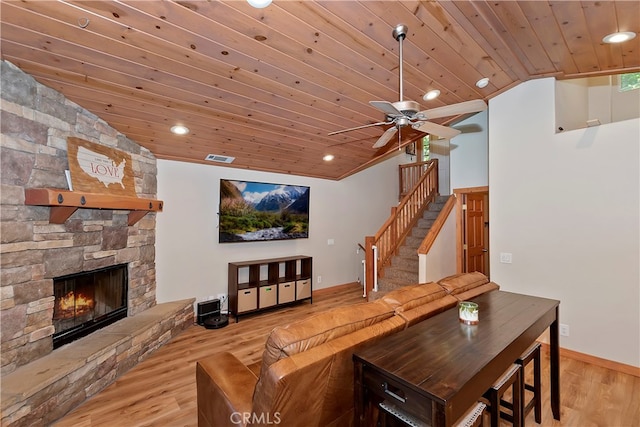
[(483, 82), (432, 94), (180, 130), (618, 37), (328, 157), (259, 4)]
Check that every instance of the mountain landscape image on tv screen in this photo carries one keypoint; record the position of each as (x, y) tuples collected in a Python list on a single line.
[(257, 211)]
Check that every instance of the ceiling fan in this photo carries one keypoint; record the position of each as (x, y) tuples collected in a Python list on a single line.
[(407, 113)]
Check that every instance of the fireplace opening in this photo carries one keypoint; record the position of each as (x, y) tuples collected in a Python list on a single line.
[(85, 302)]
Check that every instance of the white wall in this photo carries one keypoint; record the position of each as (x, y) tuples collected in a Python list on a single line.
[(191, 263), (567, 206), (470, 153), (440, 150), (441, 260), (463, 161)]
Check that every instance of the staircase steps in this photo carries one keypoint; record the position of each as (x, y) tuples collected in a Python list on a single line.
[(403, 270)]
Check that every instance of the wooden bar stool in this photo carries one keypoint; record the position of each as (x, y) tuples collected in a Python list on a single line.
[(532, 354), (511, 379)]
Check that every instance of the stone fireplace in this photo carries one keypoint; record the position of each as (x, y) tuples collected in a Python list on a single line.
[(39, 258), (36, 122)]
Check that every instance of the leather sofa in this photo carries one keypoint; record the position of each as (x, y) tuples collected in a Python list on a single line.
[(306, 373)]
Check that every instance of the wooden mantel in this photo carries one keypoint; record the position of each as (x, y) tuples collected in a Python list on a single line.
[(64, 203)]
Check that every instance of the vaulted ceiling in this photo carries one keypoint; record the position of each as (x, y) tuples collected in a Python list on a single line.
[(266, 86)]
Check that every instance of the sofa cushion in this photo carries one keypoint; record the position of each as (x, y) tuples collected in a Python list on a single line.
[(478, 290), (410, 297), (462, 282), (467, 285), (284, 341), (419, 313)]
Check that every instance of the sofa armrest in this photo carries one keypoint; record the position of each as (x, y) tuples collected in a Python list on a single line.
[(225, 390)]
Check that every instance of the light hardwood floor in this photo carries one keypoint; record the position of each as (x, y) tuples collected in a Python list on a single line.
[(161, 390)]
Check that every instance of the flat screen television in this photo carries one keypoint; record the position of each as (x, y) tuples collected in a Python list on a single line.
[(259, 211)]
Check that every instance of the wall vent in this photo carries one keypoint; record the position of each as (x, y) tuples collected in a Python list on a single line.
[(219, 158)]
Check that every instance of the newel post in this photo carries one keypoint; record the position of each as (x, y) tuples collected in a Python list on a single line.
[(369, 264), (435, 178), (394, 228)]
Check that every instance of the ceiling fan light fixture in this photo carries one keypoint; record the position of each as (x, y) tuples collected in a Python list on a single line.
[(483, 82), (328, 157), (179, 130), (259, 4), (619, 37), (432, 94)]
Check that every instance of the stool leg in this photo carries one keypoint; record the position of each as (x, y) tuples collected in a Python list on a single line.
[(523, 413), (537, 387), (511, 379), (494, 409), (518, 401)]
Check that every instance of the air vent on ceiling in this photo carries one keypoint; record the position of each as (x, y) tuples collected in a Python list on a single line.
[(220, 159)]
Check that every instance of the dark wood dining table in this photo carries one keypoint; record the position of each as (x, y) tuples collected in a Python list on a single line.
[(437, 369)]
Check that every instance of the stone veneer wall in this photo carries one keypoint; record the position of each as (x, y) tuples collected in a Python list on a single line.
[(35, 124)]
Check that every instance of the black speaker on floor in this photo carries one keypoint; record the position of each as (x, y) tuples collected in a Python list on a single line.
[(207, 309)]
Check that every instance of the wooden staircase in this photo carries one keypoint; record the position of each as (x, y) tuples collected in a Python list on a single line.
[(418, 189), (403, 269)]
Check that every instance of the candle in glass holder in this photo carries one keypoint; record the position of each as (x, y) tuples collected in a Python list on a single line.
[(468, 312)]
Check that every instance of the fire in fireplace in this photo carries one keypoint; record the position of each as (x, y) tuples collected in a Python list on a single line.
[(88, 301)]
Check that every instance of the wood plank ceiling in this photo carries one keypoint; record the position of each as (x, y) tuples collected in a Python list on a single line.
[(266, 86)]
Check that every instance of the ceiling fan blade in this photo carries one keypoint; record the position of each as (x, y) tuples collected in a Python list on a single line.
[(359, 127), (436, 129), (387, 108), (386, 136), (465, 107)]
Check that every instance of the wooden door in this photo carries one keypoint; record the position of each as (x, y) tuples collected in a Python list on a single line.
[(472, 229), (476, 242)]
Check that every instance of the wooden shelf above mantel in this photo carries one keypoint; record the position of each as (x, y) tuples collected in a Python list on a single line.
[(64, 203)]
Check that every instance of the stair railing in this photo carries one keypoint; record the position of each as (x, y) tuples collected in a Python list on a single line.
[(410, 174), (402, 219)]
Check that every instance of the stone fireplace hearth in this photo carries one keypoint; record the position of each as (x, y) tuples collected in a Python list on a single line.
[(35, 124)]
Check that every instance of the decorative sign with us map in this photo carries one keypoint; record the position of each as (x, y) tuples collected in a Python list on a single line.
[(99, 169)]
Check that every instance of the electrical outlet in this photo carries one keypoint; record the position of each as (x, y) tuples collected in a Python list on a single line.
[(319, 279), (564, 330), (223, 303)]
